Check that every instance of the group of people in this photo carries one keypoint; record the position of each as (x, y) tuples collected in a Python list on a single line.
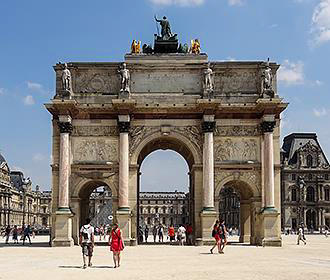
[(25, 233), (184, 233), (87, 240), (219, 233)]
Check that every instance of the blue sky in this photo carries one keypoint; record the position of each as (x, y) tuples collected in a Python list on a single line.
[(36, 34)]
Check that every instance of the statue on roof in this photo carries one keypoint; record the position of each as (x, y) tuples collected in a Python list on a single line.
[(166, 28), (267, 81), (66, 78), (125, 78)]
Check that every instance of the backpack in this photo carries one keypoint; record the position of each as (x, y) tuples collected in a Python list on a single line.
[(214, 232), (85, 233)]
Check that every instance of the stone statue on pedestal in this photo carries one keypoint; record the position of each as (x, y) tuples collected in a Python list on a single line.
[(267, 81), (66, 78), (208, 81), (125, 79)]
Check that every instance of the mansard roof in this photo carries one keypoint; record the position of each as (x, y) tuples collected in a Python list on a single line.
[(304, 142), (17, 178)]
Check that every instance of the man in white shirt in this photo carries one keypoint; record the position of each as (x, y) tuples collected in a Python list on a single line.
[(301, 235), (181, 234), (86, 241)]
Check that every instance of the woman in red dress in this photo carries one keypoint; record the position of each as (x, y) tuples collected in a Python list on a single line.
[(116, 244), (216, 235)]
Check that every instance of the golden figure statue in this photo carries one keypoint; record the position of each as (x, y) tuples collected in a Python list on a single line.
[(136, 47), (195, 46)]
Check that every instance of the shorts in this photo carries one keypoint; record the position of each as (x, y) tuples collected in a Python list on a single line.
[(87, 249)]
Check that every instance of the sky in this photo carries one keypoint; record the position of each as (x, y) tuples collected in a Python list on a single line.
[(36, 34)]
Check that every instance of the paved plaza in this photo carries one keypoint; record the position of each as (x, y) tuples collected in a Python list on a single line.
[(170, 262)]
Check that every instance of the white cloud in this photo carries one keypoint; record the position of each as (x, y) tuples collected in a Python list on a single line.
[(178, 2), (235, 2), (34, 86), (320, 112), (321, 23), (231, 58), (318, 83), (28, 100), (38, 157), (291, 73)]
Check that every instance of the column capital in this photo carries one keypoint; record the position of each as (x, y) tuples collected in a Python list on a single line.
[(267, 126), (208, 126), (124, 127), (65, 127)]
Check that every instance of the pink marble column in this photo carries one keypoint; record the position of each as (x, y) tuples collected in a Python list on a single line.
[(124, 126), (208, 127), (65, 127), (268, 164)]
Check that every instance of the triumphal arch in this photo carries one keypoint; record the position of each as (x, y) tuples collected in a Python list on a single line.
[(222, 117)]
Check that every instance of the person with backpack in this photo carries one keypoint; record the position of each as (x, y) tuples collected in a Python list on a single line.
[(116, 244), (86, 241), (216, 236)]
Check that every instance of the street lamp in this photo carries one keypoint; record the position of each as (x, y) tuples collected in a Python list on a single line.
[(25, 183), (301, 184)]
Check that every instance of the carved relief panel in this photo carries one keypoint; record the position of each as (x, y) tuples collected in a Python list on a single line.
[(236, 149), (94, 149), (231, 81)]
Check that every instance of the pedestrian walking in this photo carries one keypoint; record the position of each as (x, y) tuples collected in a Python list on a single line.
[(154, 232), (223, 236), (116, 244), (189, 234), (326, 232), (7, 233), (26, 234), (161, 233), (101, 232), (171, 233), (301, 235), (146, 233), (15, 235), (181, 235), (86, 241), (216, 236)]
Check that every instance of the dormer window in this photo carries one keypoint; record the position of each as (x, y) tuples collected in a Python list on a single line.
[(309, 160)]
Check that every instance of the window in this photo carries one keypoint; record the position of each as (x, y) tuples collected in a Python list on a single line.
[(149, 210), (148, 201), (309, 160), (326, 176), (310, 194), (293, 195), (156, 209), (310, 176), (327, 194), (156, 202), (293, 177), (149, 221), (164, 220)]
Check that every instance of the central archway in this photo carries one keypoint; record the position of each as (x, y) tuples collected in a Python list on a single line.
[(186, 149)]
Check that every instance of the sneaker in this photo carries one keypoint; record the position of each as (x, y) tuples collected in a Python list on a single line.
[(90, 264), (84, 266)]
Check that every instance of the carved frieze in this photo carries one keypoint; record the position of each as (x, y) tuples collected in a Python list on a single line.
[(138, 133), (231, 81), (237, 130), (93, 150), (193, 133), (96, 82), (233, 149), (95, 131)]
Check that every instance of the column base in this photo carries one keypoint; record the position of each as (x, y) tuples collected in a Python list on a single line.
[(271, 234), (245, 239), (63, 229), (208, 218), (123, 216)]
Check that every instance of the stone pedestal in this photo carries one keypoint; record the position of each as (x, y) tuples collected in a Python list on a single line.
[(63, 230), (270, 233), (208, 219), (124, 222)]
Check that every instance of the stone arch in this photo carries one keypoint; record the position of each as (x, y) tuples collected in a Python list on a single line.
[(250, 202), (80, 200), (174, 141)]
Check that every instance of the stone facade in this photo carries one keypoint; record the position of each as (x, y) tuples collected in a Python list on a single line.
[(229, 137), (19, 204), (164, 208), (305, 183)]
